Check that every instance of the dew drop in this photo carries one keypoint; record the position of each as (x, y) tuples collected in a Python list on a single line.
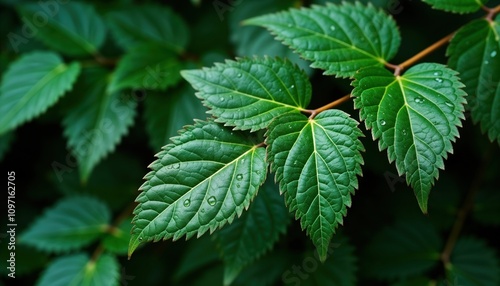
[(493, 54), (280, 90), (187, 203), (238, 75), (332, 27), (438, 79), (438, 73), (140, 238), (212, 201), (293, 86), (486, 62), (258, 172), (419, 100), (449, 104), (382, 122), (239, 177), (405, 132), (238, 185)]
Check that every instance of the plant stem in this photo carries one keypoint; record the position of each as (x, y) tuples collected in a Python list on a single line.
[(464, 210), (411, 61), (491, 12), (328, 106)]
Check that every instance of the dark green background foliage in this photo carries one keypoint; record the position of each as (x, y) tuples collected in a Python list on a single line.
[(91, 90)]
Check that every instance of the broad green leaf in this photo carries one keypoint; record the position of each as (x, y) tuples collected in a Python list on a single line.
[(457, 6), (72, 28), (475, 53), (146, 66), (406, 249), (339, 39), (254, 233), (339, 269), (316, 163), (32, 84), (72, 223), (149, 23), (117, 238), (415, 116), (5, 141), (98, 121), (201, 181), (249, 93), (473, 263), (80, 269), (165, 114)]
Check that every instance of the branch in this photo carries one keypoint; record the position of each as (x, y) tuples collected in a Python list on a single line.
[(328, 106)]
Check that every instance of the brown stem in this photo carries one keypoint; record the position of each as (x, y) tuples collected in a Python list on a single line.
[(464, 211), (411, 61), (100, 59), (491, 12), (328, 106)]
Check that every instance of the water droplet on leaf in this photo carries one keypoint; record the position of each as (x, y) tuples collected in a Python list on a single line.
[(493, 54), (405, 132), (332, 27), (449, 104), (140, 238), (239, 177), (238, 75), (212, 201), (238, 185), (382, 122), (187, 203), (222, 99), (438, 73), (419, 100), (486, 62), (293, 86), (438, 79)]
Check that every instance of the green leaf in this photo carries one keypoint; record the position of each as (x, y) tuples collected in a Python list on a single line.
[(199, 254), (473, 263), (254, 233), (474, 51), (415, 116), (316, 163), (249, 93), (406, 249), (32, 84), (72, 223), (457, 6), (201, 181), (339, 269), (79, 269), (98, 121), (165, 114), (149, 23), (73, 29), (147, 66), (339, 39), (116, 241)]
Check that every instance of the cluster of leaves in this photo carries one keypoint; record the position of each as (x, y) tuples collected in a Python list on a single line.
[(229, 171)]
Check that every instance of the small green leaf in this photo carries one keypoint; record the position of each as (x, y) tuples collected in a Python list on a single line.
[(415, 116), (316, 163), (149, 23), (79, 269), (98, 121), (254, 233), (32, 84), (473, 263), (474, 52), (116, 240), (457, 6), (73, 29), (249, 93), (339, 39), (406, 249), (147, 66), (165, 114), (201, 181), (71, 224)]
